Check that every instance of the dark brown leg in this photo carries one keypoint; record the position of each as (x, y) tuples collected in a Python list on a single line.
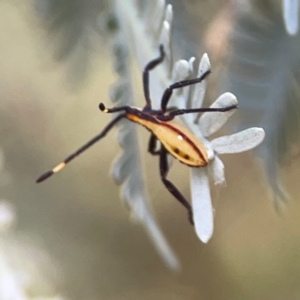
[(164, 169), (199, 110), (152, 145), (178, 112), (169, 91), (81, 149), (151, 65)]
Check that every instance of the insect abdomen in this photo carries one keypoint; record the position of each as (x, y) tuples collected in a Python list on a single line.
[(177, 140), (181, 144)]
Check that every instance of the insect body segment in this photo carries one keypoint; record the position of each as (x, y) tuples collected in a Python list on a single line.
[(177, 140), (182, 145), (173, 139)]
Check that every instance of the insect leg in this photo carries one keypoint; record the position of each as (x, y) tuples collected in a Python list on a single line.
[(164, 169), (151, 65), (197, 110), (81, 149), (152, 145), (169, 91), (178, 112)]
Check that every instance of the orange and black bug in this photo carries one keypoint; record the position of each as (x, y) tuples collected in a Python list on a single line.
[(173, 139)]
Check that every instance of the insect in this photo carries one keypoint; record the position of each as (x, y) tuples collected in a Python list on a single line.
[(173, 139)]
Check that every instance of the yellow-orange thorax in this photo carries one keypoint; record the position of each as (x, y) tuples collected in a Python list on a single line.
[(178, 141)]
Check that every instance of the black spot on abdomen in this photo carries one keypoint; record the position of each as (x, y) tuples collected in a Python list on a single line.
[(176, 150)]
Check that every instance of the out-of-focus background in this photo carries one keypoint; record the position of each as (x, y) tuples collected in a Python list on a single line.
[(76, 217)]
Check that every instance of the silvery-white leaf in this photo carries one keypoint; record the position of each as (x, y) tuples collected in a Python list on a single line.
[(133, 198), (145, 47), (181, 70), (122, 166), (125, 137), (211, 122), (142, 213), (191, 63), (263, 72), (186, 90), (159, 13), (216, 169), (143, 41), (147, 13), (239, 142), (278, 193), (200, 88), (160, 243), (291, 16), (169, 14), (194, 128), (201, 204), (118, 90)]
